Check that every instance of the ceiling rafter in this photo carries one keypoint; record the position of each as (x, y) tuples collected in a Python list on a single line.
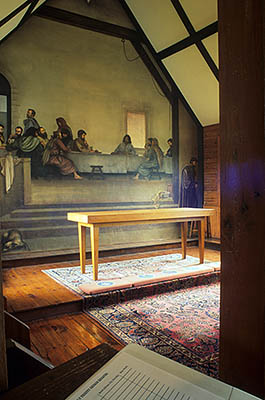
[(88, 23), (188, 41), (161, 66), (15, 12), (28, 12), (81, 21), (137, 37), (194, 38), (31, 7)]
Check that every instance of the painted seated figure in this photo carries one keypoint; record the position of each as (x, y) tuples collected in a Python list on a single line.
[(2, 137), (154, 159), (14, 136), (42, 136), (125, 147), (54, 154), (30, 121), (29, 146), (65, 131), (80, 144), (169, 150)]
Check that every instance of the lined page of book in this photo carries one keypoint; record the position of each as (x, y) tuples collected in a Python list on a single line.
[(128, 377)]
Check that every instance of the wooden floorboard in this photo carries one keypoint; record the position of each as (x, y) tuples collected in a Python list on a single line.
[(60, 338), (27, 288)]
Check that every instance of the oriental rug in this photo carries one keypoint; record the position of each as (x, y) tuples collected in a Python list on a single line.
[(182, 325), (72, 278)]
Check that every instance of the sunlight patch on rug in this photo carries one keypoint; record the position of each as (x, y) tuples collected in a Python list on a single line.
[(72, 278)]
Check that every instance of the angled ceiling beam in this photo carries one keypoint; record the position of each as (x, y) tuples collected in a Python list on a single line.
[(81, 21), (27, 15), (28, 12), (15, 12), (188, 41), (161, 66), (88, 23), (213, 28)]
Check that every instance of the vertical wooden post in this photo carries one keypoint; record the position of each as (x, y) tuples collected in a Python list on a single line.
[(241, 32), (200, 190)]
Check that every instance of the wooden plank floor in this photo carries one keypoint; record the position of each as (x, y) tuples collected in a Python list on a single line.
[(58, 339), (27, 288)]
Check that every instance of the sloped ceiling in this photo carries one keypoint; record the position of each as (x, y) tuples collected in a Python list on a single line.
[(181, 35)]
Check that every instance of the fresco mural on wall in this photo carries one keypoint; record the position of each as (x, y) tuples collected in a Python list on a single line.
[(58, 160), (62, 155), (75, 142)]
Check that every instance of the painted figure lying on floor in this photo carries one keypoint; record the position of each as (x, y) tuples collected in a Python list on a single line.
[(12, 240)]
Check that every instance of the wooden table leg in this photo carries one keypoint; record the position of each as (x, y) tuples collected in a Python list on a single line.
[(82, 246), (94, 236), (184, 230), (201, 233)]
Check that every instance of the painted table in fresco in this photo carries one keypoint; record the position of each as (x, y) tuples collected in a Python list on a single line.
[(113, 163), (98, 219)]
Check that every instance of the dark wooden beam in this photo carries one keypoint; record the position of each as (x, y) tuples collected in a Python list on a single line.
[(189, 41), (242, 334), (81, 21), (200, 191), (28, 12), (15, 12), (27, 15), (161, 66), (176, 95), (88, 23), (188, 25)]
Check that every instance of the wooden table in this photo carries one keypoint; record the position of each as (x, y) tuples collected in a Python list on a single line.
[(97, 219)]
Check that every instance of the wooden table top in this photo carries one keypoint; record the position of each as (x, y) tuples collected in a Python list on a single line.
[(60, 382), (116, 216)]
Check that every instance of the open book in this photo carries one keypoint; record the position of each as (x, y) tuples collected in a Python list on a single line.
[(136, 373)]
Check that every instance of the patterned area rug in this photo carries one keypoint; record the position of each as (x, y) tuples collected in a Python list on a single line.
[(182, 325), (72, 277)]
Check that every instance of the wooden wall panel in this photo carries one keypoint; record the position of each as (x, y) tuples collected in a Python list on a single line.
[(211, 142), (242, 336)]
